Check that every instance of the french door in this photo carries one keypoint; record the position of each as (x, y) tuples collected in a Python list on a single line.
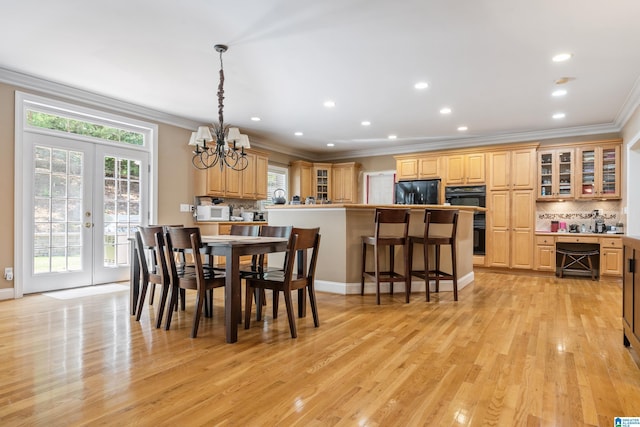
[(82, 203)]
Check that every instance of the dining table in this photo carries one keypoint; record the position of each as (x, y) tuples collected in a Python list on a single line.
[(232, 248)]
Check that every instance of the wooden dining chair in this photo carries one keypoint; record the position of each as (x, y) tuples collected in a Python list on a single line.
[(153, 269), (301, 241), (199, 279), (242, 230)]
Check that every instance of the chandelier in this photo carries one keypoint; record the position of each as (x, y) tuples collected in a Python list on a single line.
[(219, 145)]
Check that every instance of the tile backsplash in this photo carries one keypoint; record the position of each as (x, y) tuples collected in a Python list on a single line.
[(577, 212)]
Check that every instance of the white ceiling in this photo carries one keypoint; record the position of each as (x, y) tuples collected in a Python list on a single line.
[(489, 60)]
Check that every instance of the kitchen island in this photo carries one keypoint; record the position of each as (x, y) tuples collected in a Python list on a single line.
[(341, 228)]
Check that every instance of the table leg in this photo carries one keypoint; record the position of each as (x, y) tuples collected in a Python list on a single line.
[(232, 310), (134, 277)]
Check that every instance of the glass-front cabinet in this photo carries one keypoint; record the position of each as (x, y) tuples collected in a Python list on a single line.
[(599, 172), (555, 174), (322, 181)]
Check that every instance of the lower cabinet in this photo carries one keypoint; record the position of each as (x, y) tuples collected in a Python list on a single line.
[(545, 253), (510, 229), (631, 293)]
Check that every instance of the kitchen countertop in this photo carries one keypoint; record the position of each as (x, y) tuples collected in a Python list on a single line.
[(366, 206)]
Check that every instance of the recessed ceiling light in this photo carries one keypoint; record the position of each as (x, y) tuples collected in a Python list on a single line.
[(561, 57), (256, 119), (365, 123), (331, 144), (558, 116), (462, 128), (298, 134), (329, 104), (421, 85), (393, 136), (559, 92), (445, 110)]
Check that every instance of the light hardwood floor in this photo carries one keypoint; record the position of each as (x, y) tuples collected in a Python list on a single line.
[(515, 350)]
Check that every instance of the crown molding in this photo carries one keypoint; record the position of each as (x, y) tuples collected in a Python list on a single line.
[(70, 93)]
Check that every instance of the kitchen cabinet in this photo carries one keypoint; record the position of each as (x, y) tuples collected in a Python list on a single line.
[(631, 293), (406, 168), (599, 172), (510, 229), (301, 179), (611, 256), (464, 169), (345, 182), (322, 181), (545, 253), (429, 167), (512, 170), (250, 183), (555, 174)]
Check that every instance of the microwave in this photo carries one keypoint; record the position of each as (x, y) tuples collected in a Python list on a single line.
[(212, 213)]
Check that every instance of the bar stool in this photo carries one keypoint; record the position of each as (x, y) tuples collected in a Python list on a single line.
[(437, 238), (379, 240)]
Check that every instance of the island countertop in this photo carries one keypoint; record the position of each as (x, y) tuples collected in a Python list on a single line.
[(366, 206)]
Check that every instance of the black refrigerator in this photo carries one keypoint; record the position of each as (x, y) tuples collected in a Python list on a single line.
[(422, 192)]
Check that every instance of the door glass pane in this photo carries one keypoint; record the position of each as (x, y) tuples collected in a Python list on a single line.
[(57, 210), (121, 208)]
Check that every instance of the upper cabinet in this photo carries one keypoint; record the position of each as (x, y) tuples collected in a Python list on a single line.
[(555, 174), (512, 169), (302, 179), (250, 183), (322, 181), (406, 168), (465, 168), (345, 182), (417, 166), (599, 172)]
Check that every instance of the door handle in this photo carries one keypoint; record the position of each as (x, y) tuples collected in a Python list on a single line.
[(88, 224)]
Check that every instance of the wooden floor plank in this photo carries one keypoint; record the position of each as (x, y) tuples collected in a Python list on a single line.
[(515, 349)]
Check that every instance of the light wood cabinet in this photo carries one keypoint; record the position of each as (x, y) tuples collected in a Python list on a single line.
[(406, 169), (555, 174), (262, 172), (465, 169), (611, 256), (510, 229), (301, 182), (254, 177), (545, 253), (345, 182), (599, 172), (512, 170), (429, 167), (322, 181)]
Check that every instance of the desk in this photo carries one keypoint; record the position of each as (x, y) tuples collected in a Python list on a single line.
[(232, 248)]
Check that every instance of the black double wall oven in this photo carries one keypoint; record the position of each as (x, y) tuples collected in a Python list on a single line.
[(471, 195)]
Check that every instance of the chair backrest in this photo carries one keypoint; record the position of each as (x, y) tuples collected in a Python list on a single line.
[(244, 230), (177, 240), (301, 241), (392, 216), (276, 231), (146, 241), (442, 217)]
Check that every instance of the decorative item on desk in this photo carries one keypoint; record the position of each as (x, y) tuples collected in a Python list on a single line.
[(229, 143), (562, 226), (554, 226)]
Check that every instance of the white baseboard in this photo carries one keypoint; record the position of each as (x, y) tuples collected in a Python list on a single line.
[(7, 293), (370, 287)]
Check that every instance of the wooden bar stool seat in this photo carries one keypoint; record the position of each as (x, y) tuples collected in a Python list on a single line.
[(379, 241)]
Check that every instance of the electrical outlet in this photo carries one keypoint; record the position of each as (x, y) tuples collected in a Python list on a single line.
[(185, 207), (8, 273)]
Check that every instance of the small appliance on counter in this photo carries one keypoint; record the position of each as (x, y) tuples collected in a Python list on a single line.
[(259, 216), (212, 213), (574, 228)]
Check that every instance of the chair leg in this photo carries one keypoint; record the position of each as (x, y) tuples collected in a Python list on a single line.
[(454, 272), (248, 300), (153, 294), (364, 263), (437, 268), (564, 258), (143, 295), (259, 295), (392, 264), (183, 303), (276, 303), (290, 315), (314, 307), (407, 272), (173, 305), (163, 303), (426, 271), (377, 272), (201, 297)]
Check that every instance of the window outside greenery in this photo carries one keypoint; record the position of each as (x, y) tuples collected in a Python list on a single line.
[(81, 127)]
